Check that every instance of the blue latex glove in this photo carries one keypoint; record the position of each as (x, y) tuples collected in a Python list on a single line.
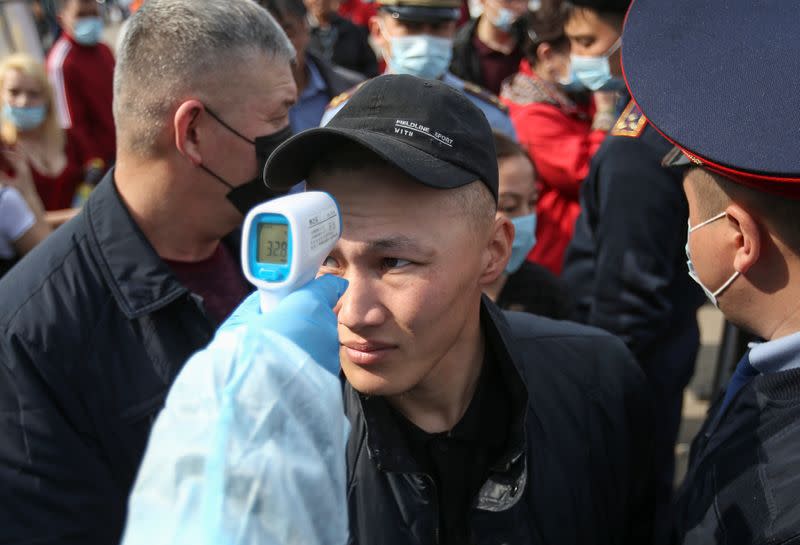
[(305, 317)]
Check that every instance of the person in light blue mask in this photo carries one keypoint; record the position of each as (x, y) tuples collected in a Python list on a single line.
[(416, 38), (524, 286), (81, 70), (594, 29), (487, 50), (81, 19), (625, 265)]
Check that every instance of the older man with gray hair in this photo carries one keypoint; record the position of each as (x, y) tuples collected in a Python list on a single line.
[(96, 323)]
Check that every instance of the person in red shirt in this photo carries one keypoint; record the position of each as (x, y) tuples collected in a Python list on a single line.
[(81, 70), (561, 130), (29, 129)]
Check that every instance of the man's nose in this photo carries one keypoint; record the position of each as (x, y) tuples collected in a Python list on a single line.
[(361, 307)]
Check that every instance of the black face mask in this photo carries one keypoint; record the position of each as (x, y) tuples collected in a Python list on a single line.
[(252, 193)]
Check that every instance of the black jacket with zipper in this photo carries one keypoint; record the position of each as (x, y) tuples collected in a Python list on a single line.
[(742, 486), (94, 328), (576, 466)]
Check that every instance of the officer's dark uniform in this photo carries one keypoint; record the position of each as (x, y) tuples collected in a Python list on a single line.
[(434, 11), (719, 80), (626, 269)]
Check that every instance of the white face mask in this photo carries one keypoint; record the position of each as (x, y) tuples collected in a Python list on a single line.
[(418, 55), (712, 295)]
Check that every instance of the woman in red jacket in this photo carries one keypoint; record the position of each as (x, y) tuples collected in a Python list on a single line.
[(560, 128)]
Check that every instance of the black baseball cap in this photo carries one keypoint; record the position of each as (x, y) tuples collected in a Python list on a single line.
[(425, 128)]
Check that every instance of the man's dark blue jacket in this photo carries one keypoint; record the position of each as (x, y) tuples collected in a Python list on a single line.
[(626, 270), (93, 329), (576, 466)]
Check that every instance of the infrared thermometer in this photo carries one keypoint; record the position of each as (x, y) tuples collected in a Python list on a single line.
[(286, 240)]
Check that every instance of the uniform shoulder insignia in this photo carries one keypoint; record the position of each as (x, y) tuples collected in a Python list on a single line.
[(631, 123), (485, 95), (338, 100)]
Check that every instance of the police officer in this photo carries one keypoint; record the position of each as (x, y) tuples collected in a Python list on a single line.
[(625, 264), (416, 38), (720, 79)]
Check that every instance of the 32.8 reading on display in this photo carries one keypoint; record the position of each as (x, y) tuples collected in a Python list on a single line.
[(273, 242)]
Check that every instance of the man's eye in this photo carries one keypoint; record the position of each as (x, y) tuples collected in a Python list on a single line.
[(395, 263), (330, 263)]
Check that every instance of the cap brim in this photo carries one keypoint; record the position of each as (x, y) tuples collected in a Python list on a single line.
[(417, 14), (675, 158), (293, 161)]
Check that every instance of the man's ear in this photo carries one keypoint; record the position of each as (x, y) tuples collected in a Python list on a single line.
[(187, 135), (498, 250), (375, 31), (747, 233)]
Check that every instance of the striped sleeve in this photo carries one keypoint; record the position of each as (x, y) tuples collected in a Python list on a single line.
[(55, 70)]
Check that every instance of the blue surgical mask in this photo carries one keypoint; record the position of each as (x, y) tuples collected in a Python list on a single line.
[(524, 241), (505, 20), (570, 82), (595, 72), (422, 55), (712, 295), (88, 30), (25, 118)]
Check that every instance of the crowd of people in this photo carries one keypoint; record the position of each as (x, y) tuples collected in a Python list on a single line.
[(126, 171)]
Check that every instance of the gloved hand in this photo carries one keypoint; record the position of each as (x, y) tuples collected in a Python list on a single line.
[(305, 317)]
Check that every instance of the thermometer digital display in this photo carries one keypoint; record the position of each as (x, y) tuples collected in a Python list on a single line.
[(285, 241), (273, 243)]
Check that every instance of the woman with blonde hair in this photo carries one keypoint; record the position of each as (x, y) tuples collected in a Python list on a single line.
[(38, 159)]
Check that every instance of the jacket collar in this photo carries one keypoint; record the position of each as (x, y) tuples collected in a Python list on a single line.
[(384, 441), (140, 281), (498, 336)]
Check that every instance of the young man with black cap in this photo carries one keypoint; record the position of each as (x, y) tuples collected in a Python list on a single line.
[(416, 38), (625, 264), (739, 135), (469, 425)]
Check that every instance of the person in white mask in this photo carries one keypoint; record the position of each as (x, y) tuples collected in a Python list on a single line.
[(738, 138), (416, 38), (489, 48)]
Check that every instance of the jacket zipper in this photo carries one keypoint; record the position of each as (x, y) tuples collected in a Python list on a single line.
[(435, 503)]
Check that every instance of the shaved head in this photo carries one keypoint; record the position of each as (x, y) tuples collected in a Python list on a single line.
[(715, 193)]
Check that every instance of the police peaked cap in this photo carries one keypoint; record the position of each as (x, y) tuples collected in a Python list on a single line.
[(423, 11), (720, 79)]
